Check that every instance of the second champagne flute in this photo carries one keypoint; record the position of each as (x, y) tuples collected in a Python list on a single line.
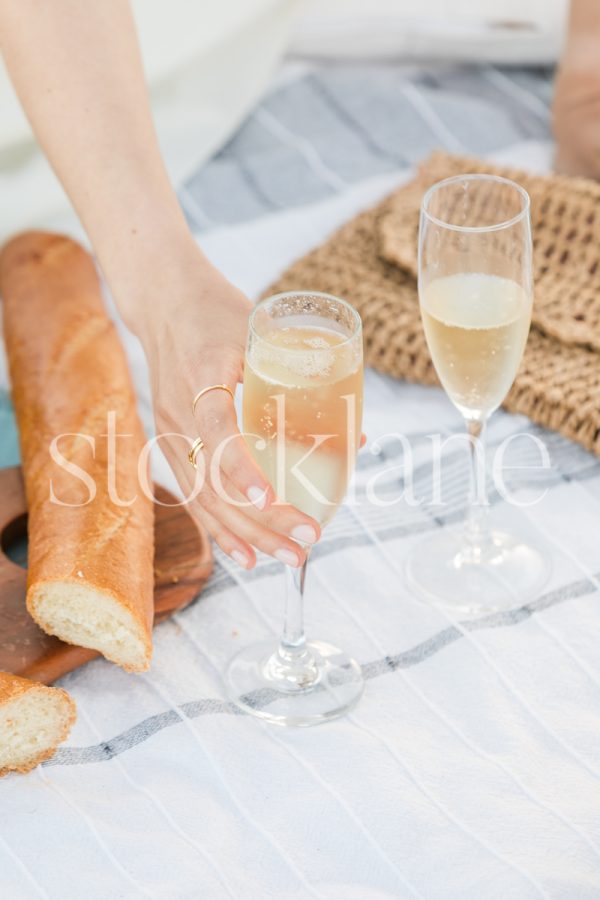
[(476, 293), (303, 379)]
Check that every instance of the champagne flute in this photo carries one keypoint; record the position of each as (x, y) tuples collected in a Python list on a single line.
[(303, 379), (476, 294)]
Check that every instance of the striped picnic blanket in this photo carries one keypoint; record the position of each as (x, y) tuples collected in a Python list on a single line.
[(470, 769)]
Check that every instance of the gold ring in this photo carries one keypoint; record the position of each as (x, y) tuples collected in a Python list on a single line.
[(196, 446), (212, 387)]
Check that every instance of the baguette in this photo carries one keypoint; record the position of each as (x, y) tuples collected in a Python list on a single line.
[(34, 720), (90, 577)]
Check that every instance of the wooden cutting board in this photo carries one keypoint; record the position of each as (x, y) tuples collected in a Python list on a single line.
[(182, 564)]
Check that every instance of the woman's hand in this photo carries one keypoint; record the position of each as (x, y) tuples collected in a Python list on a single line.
[(193, 326)]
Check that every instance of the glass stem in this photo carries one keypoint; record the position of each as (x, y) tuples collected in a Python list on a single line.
[(293, 641), (293, 665), (477, 524)]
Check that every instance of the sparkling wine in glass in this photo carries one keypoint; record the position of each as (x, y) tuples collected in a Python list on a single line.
[(476, 293), (303, 379)]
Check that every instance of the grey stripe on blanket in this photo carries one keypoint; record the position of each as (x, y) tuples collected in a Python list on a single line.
[(337, 125)]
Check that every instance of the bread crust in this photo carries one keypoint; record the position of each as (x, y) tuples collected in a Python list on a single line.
[(11, 688), (68, 371)]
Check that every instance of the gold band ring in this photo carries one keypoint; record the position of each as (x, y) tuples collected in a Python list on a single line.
[(199, 443), (194, 449), (212, 387)]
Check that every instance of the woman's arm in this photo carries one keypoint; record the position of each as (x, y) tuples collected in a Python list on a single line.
[(77, 69), (78, 72)]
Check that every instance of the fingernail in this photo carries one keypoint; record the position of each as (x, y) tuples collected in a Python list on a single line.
[(306, 534), (240, 558), (257, 496), (286, 557)]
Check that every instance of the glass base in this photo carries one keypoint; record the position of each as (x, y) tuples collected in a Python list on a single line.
[(502, 574), (324, 684)]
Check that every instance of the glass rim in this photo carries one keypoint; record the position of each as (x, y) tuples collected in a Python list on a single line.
[(357, 321), (476, 229)]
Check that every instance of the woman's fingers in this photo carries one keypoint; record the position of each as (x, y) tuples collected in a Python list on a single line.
[(239, 551), (234, 476), (236, 530), (282, 518), (251, 530), (230, 543), (226, 451)]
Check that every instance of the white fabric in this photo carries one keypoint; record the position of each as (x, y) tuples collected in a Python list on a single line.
[(499, 31), (469, 772)]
